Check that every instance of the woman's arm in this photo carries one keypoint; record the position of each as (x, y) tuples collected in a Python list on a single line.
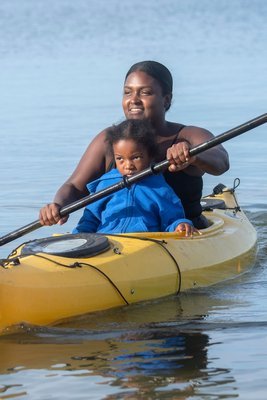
[(214, 161), (92, 165)]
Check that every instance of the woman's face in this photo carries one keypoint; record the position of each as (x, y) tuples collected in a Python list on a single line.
[(130, 157), (143, 98)]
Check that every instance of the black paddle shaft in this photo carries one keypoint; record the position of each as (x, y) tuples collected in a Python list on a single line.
[(128, 181)]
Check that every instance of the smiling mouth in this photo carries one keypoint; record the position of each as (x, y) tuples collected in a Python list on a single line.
[(136, 110)]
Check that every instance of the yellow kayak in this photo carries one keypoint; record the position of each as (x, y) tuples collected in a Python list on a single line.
[(49, 280)]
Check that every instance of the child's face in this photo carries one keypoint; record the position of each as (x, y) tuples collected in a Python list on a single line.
[(130, 157)]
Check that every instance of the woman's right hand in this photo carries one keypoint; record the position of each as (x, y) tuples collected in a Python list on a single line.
[(50, 215), (179, 156)]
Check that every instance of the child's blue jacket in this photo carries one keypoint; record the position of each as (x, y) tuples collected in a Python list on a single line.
[(150, 205)]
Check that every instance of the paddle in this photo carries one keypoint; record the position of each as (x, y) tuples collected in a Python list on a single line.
[(128, 181)]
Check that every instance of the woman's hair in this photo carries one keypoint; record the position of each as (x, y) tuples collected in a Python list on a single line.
[(137, 130), (157, 71)]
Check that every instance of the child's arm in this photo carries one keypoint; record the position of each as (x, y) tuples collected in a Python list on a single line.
[(88, 222), (189, 229)]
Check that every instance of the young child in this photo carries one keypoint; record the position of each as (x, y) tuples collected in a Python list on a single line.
[(147, 206)]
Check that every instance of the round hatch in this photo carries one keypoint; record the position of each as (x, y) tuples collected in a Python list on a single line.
[(70, 245)]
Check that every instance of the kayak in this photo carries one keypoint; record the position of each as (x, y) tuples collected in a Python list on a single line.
[(47, 281)]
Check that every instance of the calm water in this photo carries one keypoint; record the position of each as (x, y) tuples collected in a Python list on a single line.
[(62, 67)]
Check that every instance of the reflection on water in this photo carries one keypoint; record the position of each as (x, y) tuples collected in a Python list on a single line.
[(138, 357), (143, 351)]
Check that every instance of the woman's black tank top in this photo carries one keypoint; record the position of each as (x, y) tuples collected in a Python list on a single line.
[(187, 187)]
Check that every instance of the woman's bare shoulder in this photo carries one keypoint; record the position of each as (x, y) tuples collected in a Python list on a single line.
[(100, 137), (195, 135), (98, 145), (93, 162)]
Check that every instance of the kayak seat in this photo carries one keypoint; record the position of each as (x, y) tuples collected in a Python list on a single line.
[(209, 204), (69, 245)]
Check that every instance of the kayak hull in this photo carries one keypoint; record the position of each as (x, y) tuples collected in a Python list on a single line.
[(43, 288)]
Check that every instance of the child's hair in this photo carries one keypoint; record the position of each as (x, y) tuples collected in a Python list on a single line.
[(138, 130)]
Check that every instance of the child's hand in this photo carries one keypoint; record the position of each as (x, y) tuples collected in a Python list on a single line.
[(187, 228)]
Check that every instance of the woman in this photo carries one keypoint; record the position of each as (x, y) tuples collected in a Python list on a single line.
[(148, 206), (147, 95)]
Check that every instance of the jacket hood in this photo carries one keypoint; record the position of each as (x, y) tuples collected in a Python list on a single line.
[(109, 176)]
